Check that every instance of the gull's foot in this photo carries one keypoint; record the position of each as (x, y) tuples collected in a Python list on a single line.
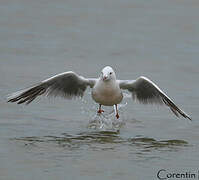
[(100, 111), (117, 116)]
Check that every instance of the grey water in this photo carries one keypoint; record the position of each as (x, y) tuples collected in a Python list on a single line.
[(55, 139)]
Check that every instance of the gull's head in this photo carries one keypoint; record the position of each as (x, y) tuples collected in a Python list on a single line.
[(107, 74)]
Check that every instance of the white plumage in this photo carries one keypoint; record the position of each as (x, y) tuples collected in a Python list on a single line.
[(106, 90)]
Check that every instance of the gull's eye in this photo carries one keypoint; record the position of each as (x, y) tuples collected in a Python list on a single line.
[(110, 73)]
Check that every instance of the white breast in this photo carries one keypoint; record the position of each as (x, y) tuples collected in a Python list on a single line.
[(107, 93)]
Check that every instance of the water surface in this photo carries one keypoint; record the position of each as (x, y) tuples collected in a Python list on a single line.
[(51, 139)]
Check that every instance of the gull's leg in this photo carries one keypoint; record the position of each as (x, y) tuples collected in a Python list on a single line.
[(117, 115), (100, 110)]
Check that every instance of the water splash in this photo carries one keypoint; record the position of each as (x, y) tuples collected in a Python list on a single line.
[(105, 121)]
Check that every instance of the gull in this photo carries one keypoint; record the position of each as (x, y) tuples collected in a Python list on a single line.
[(106, 90)]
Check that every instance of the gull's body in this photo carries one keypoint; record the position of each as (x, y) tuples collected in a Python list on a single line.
[(107, 94), (106, 90)]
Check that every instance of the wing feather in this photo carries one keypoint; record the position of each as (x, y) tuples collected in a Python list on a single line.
[(67, 85), (147, 92)]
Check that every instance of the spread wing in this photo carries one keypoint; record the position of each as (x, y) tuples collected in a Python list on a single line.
[(147, 92), (67, 85)]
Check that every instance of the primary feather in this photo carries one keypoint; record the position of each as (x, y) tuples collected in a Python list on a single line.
[(67, 85), (147, 92)]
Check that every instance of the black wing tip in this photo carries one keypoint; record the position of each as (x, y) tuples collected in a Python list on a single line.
[(183, 114), (188, 117), (17, 101), (26, 96), (11, 100)]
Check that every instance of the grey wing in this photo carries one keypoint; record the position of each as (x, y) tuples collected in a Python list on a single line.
[(67, 85), (147, 92)]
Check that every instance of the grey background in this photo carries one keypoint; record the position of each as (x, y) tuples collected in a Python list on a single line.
[(49, 139)]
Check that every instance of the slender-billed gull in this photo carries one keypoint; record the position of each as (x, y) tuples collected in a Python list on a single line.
[(106, 90)]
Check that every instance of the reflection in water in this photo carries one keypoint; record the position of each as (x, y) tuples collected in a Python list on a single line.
[(103, 139), (149, 144)]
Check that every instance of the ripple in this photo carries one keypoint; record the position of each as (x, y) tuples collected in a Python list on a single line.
[(104, 139), (150, 144)]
